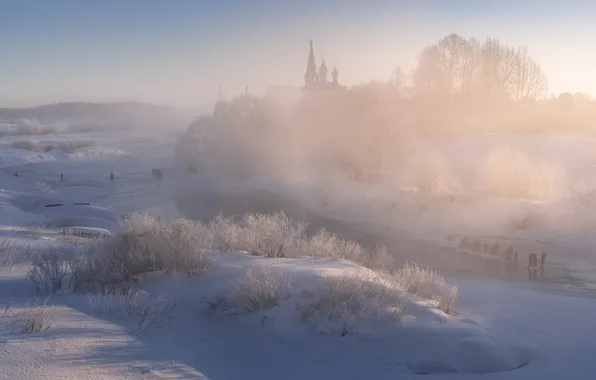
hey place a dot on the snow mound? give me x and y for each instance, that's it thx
(339, 302)
(59, 212)
(88, 232)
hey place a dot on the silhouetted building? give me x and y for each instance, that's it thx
(317, 80)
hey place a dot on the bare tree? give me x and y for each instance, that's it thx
(497, 67)
(469, 66)
(529, 82)
(398, 79)
(451, 52)
(429, 77)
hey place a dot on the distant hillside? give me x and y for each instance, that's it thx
(132, 114)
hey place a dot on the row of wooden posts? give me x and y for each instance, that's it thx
(511, 257)
(155, 173)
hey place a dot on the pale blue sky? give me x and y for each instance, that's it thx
(179, 51)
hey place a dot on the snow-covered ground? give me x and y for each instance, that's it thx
(502, 330)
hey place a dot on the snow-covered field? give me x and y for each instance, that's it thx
(500, 330)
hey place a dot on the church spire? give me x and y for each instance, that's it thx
(311, 67)
(220, 94)
(323, 72)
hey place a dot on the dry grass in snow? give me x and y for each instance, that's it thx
(13, 253)
(33, 318)
(138, 305)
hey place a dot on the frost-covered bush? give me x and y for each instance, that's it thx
(507, 172)
(70, 146)
(346, 301)
(272, 235)
(259, 289)
(146, 244)
(427, 284)
(29, 145)
(138, 305)
(432, 175)
(32, 127)
(49, 270)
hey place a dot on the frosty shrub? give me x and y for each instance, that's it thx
(145, 245)
(259, 289)
(346, 301)
(585, 192)
(13, 253)
(326, 244)
(32, 127)
(70, 146)
(30, 145)
(227, 234)
(272, 235)
(138, 305)
(432, 175)
(507, 172)
(427, 284)
(322, 244)
(49, 270)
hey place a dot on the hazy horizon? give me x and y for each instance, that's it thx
(180, 52)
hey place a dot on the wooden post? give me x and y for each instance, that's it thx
(542, 261)
(61, 177)
(532, 265)
(508, 260)
(111, 176)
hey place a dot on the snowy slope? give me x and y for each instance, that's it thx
(500, 326)
(542, 330)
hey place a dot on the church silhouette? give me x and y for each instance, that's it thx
(317, 80)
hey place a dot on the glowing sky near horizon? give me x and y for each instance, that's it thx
(179, 51)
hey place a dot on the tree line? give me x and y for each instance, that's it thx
(457, 67)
